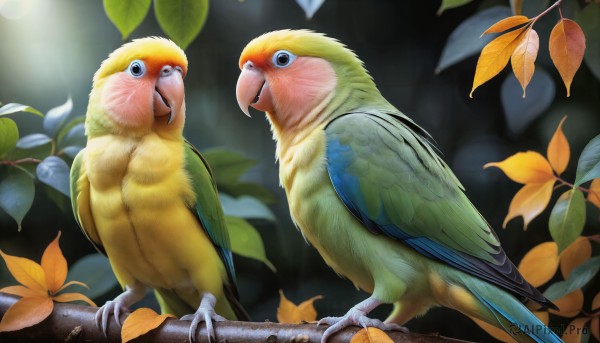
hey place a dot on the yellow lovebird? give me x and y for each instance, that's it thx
(145, 197)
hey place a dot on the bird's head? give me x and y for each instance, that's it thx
(293, 75)
(138, 88)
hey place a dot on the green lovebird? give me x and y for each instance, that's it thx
(145, 197)
(367, 189)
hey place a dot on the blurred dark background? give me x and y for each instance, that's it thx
(53, 50)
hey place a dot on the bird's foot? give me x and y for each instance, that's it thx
(205, 313)
(355, 317)
(113, 307)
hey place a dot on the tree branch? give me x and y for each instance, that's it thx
(75, 323)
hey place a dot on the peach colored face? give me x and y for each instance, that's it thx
(284, 85)
(144, 92)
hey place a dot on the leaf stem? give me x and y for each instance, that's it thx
(557, 3)
(23, 160)
(566, 183)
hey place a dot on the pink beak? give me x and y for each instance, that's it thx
(252, 89)
(169, 93)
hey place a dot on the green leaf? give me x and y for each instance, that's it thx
(245, 207)
(64, 130)
(246, 241)
(16, 195)
(465, 40)
(75, 136)
(310, 7)
(14, 107)
(72, 150)
(127, 15)
(181, 20)
(94, 270)
(33, 140)
(227, 166)
(578, 278)
(448, 4)
(587, 18)
(567, 218)
(9, 135)
(54, 172)
(588, 167)
(57, 116)
(247, 188)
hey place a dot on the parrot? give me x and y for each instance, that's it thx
(145, 197)
(367, 188)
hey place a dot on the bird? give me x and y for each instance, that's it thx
(367, 188)
(145, 197)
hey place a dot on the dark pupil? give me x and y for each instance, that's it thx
(136, 69)
(282, 59)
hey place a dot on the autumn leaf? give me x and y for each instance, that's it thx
(26, 312)
(594, 194)
(558, 150)
(507, 24)
(595, 324)
(288, 312)
(140, 322)
(525, 167)
(570, 305)
(539, 265)
(574, 255)
(54, 265)
(26, 272)
(567, 47)
(574, 331)
(523, 58)
(371, 335)
(529, 202)
(495, 56)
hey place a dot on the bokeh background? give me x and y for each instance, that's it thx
(50, 49)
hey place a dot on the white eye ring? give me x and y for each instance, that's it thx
(283, 58)
(136, 68)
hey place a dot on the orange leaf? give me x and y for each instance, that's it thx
(570, 305)
(594, 195)
(140, 322)
(523, 58)
(529, 202)
(27, 272)
(54, 265)
(574, 255)
(493, 331)
(22, 291)
(543, 316)
(595, 324)
(539, 265)
(567, 46)
(495, 56)
(68, 297)
(574, 330)
(73, 283)
(26, 312)
(371, 335)
(507, 23)
(558, 150)
(288, 312)
(525, 167)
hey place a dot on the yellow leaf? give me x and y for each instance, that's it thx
(73, 283)
(54, 265)
(68, 297)
(539, 265)
(567, 46)
(595, 324)
(288, 312)
(558, 150)
(26, 312)
(574, 255)
(517, 6)
(574, 330)
(495, 56)
(594, 195)
(493, 331)
(371, 335)
(525, 167)
(507, 23)
(543, 316)
(529, 202)
(140, 322)
(27, 272)
(523, 58)
(570, 305)
(22, 291)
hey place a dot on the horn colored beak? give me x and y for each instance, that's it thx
(252, 89)
(169, 93)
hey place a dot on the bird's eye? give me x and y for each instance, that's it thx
(136, 68)
(282, 58)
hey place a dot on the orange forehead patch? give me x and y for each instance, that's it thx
(154, 51)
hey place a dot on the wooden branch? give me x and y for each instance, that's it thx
(75, 323)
